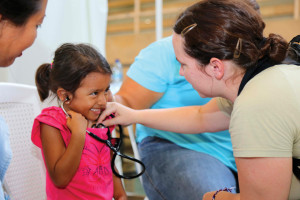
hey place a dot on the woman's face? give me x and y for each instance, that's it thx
(191, 70)
(15, 39)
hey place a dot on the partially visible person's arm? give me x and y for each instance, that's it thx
(260, 178)
(119, 191)
(135, 96)
(190, 119)
(264, 178)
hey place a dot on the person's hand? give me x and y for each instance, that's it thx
(76, 123)
(123, 115)
(121, 198)
(208, 195)
(222, 195)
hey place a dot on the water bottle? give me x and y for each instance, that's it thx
(117, 70)
(117, 76)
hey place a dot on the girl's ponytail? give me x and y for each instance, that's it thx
(42, 80)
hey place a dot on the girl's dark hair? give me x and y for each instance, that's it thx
(71, 64)
(220, 25)
(19, 11)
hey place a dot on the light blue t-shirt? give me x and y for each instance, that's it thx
(157, 69)
(5, 154)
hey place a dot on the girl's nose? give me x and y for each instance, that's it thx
(102, 100)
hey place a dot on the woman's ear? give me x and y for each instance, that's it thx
(216, 68)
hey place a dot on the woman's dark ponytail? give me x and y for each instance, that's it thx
(275, 47)
(42, 80)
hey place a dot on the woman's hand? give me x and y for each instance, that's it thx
(123, 115)
(222, 195)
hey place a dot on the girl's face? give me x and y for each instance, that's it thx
(15, 39)
(91, 96)
(191, 70)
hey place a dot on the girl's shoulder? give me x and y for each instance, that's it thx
(52, 115)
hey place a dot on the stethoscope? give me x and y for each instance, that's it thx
(114, 144)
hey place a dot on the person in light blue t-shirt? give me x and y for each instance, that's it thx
(5, 154)
(19, 21)
(178, 166)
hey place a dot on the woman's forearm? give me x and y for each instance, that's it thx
(190, 119)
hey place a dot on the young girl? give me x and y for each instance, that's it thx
(78, 166)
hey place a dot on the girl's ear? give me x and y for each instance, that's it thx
(216, 68)
(63, 95)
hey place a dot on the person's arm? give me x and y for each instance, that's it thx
(135, 96)
(190, 119)
(119, 192)
(62, 163)
(264, 178)
(260, 178)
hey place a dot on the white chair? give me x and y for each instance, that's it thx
(135, 151)
(25, 177)
(134, 148)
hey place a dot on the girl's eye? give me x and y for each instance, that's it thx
(94, 93)
(38, 26)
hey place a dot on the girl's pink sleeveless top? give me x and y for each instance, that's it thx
(93, 179)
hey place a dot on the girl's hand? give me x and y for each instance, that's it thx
(123, 115)
(121, 198)
(76, 123)
(119, 192)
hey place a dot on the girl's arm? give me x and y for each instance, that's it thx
(61, 162)
(189, 119)
(119, 192)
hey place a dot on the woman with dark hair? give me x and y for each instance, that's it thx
(223, 54)
(19, 21)
(154, 76)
